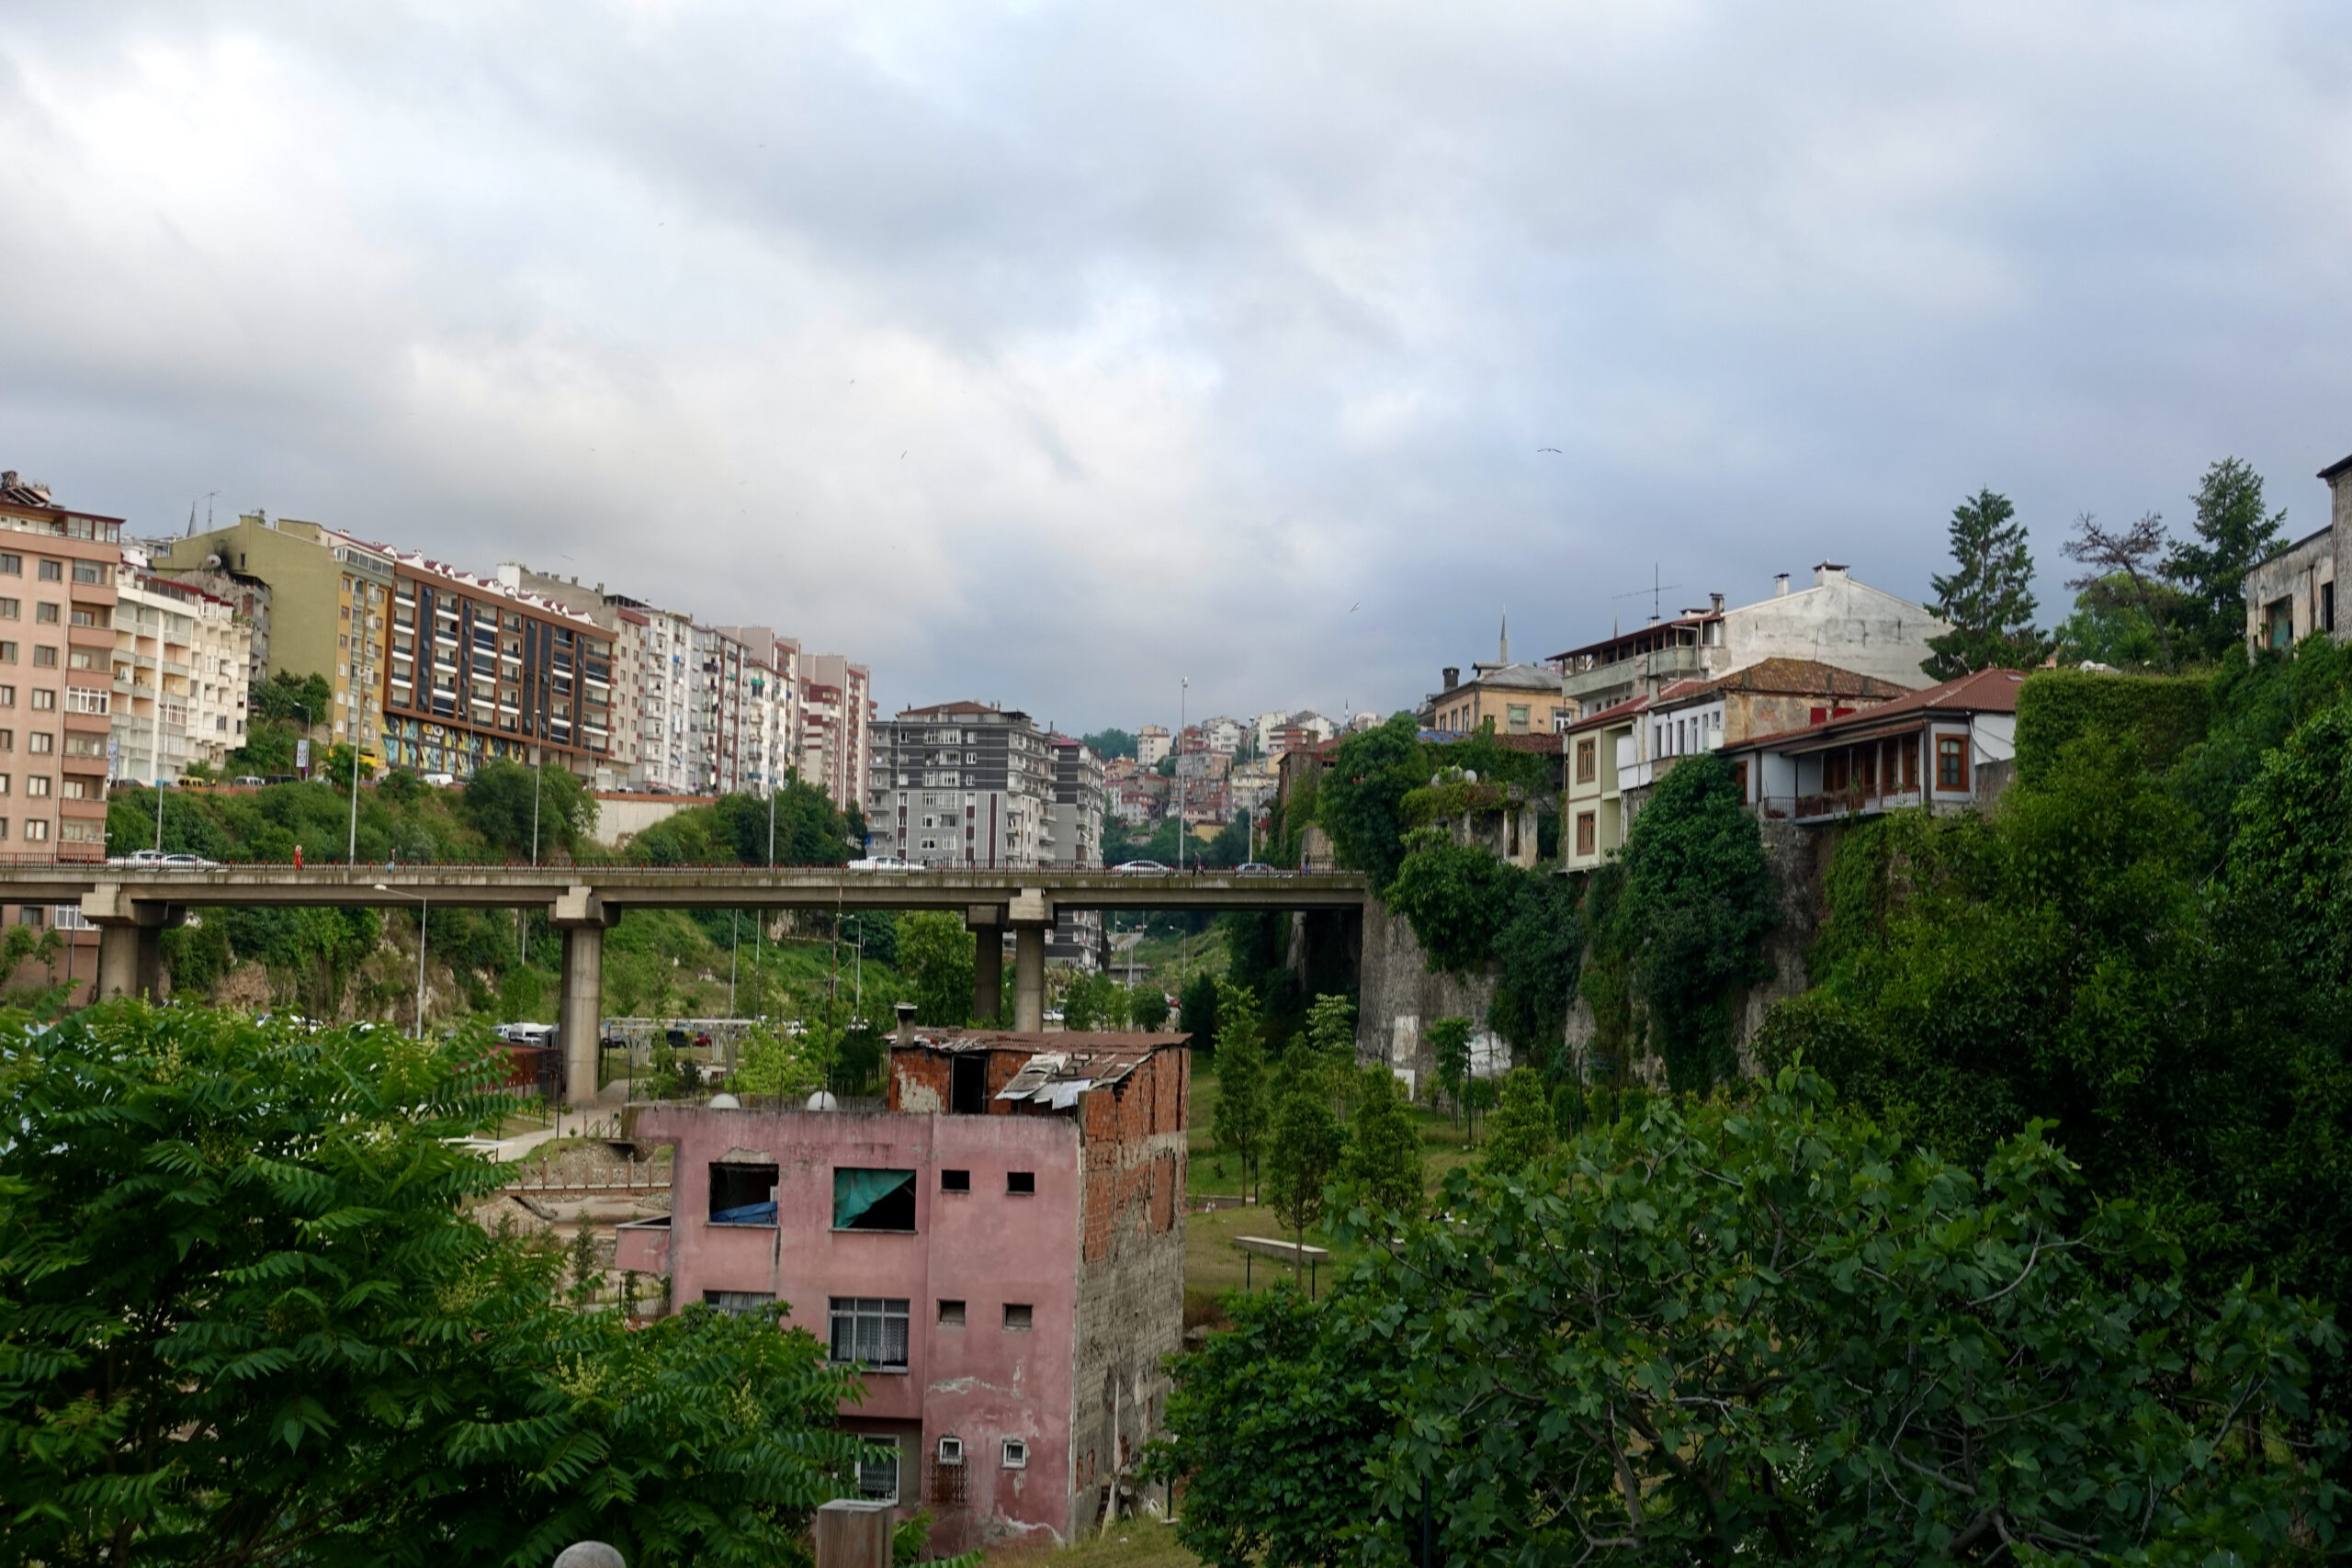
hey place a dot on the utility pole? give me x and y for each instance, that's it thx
(351, 852)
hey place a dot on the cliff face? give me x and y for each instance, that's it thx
(1399, 996)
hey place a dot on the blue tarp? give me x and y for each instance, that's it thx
(746, 1214)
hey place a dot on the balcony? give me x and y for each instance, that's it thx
(1664, 665)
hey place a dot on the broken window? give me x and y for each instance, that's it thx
(742, 1194)
(968, 1085)
(1021, 1182)
(873, 1199)
(951, 1315)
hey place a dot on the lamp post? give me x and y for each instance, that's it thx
(424, 909)
(351, 850)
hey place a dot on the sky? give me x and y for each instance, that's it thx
(1054, 353)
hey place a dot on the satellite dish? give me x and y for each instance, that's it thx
(821, 1101)
(724, 1102)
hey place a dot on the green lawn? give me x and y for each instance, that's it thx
(1130, 1543)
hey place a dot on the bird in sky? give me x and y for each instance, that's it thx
(1547, 448)
(1354, 607)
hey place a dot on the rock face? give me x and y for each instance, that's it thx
(1400, 995)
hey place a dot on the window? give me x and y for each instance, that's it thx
(82, 789)
(43, 699)
(1587, 761)
(44, 658)
(12, 565)
(85, 657)
(2327, 606)
(737, 1301)
(968, 1085)
(40, 741)
(12, 609)
(1951, 762)
(1017, 1318)
(1517, 717)
(873, 1199)
(3, 784)
(45, 613)
(951, 1315)
(36, 832)
(92, 616)
(7, 653)
(2279, 624)
(871, 1329)
(951, 1450)
(1016, 1454)
(52, 571)
(742, 1194)
(955, 1182)
(1021, 1183)
(36, 784)
(89, 571)
(1588, 833)
(878, 1470)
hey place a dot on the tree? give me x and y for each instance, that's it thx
(1521, 1133)
(1988, 597)
(244, 1318)
(289, 698)
(2130, 554)
(1698, 898)
(1147, 1008)
(1244, 1105)
(1457, 897)
(1384, 1148)
(2232, 532)
(1330, 1033)
(1449, 1051)
(1109, 744)
(1094, 1001)
(1361, 797)
(526, 812)
(335, 768)
(1196, 1010)
(1302, 1155)
(936, 956)
(1672, 1343)
(2110, 626)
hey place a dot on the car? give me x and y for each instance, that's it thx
(1255, 868)
(439, 781)
(185, 862)
(247, 781)
(1143, 868)
(138, 857)
(882, 863)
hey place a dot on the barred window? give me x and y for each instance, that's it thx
(871, 1329)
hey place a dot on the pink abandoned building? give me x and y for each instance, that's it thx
(1002, 1248)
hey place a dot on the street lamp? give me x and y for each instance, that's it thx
(424, 909)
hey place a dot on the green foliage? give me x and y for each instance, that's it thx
(244, 1318)
(1698, 898)
(1760, 1332)
(1163, 843)
(1988, 596)
(1244, 1095)
(1361, 798)
(1536, 956)
(2117, 622)
(335, 770)
(1450, 1049)
(1384, 1154)
(1147, 1008)
(1521, 1133)
(1197, 1011)
(1109, 744)
(2232, 532)
(773, 1062)
(2163, 715)
(1094, 1001)
(1302, 1155)
(1457, 897)
(526, 812)
(936, 955)
(289, 698)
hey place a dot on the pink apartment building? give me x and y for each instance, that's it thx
(1002, 1248)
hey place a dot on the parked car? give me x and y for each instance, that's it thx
(1255, 868)
(138, 857)
(185, 862)
(440, 781)
(1141, 866)
(883, 862)
(249, 781)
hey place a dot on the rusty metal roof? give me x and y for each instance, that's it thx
(1060, 1065)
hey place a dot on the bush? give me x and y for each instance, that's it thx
(2162, 715)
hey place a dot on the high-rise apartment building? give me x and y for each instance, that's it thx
(1073, 836)
(960, 785)
(57, 600)
(836, 726)
(480, 670)
(767, 742)
(327, 594)
(180, 678)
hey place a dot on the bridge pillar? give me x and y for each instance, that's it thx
(1031, 914)
(130, 941)
(986, 922)
(582, 917)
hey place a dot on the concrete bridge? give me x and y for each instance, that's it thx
(133, 905)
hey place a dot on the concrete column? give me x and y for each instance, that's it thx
(580, 915)
(986, 922)
(130, 961)
(1028, 977)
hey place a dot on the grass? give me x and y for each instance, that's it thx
(1130, 1543)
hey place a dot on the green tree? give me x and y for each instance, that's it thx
(2113, 625)
(770, 1062)
(335, 768)
(1521, 1133)
(1330, 1033)
(289, 698)
(1698, 897)
(1094, 1001)
(1988, 595)
(1244, 1098)
(1302, 1155)
(1147, 1008)
(1196, 1010)
(1384, 1148)
(1361, 797)
(517, 809)
(1110, 743)
(1538, 954)
(586, 1274)
(1458, 898)
(1681, 1352)
(2232, 532)
(936, 955)
(1449, 1052)
(245, 1318)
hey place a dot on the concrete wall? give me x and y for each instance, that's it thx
(1839, 622)
(1399, 994)
(982, 1383)
(622, 814)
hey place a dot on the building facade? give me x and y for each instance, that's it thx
(1837, 621)
(1152, 743)
(961, 784)
(2291, 592)
(1951, 747)
(837, 725)
(480, 671)
(1000, 1253)
(58, 570)
(181, 673)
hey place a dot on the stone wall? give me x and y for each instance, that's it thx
(1400, 995)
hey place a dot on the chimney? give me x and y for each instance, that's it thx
(1781, 586)
(1826, 573)
(905, 1031)
(1453, 673)
(1716, 603)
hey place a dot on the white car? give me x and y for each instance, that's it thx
(139, 857)
(185, 862)
(882, 863)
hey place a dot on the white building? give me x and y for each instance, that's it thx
(189, 649)
(1152, 745)
(1837, 621)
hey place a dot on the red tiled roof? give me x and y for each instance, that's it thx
(1616, 710)
(1805, 678)
(1987, 691)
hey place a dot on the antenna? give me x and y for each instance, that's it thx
(1655, 590)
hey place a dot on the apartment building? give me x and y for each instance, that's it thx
(480, 670)
(1152, 743)
(58, 570)
(327, 594)
(768, 747)
(963, 784)
(1000, 1252)
(181, 673)
(836, 742)
(1073, 836)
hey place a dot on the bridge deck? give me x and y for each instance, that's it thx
(656, 887)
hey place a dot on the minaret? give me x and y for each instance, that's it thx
(1502, 653)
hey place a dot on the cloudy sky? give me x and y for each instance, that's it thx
(1049, 353)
